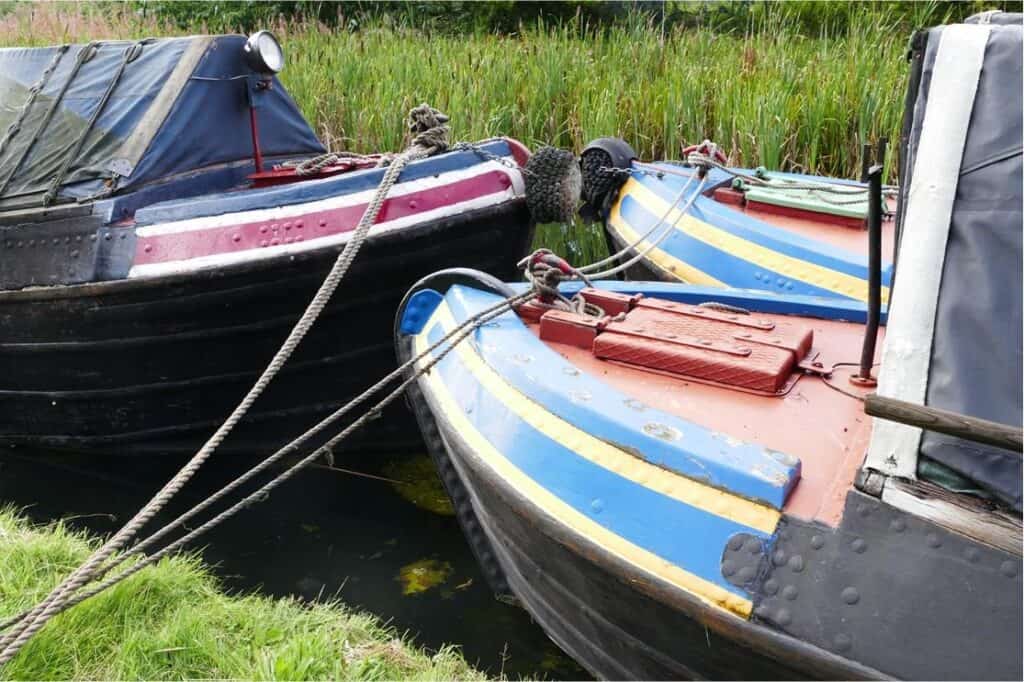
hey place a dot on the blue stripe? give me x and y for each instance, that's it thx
(544, 376)
(754, 300)
(683, 535)
(764, 234)
(296, 193)
(722, 265)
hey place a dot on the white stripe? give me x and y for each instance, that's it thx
(908, 338)
(330, 203)
(261, 253)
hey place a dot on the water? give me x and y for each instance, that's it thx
(323, 534)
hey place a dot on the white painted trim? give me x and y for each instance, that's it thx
(262, 253)
(330, 203)
(906, 357)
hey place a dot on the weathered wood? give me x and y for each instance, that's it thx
(962, 514)
(944, 421)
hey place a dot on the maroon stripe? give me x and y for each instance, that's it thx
(308, 226)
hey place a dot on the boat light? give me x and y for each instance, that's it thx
(263, 53)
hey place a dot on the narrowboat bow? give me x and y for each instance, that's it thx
(166, 214)
(731, 227)
(681, 481)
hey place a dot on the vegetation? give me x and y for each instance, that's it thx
(172, 621)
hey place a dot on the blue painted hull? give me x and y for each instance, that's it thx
(715, 245)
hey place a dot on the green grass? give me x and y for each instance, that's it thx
(172, 621)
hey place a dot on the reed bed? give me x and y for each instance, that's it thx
(772, 97)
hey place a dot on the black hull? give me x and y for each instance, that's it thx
(154, 366)
(610, 618)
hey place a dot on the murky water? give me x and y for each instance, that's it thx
(385, 548)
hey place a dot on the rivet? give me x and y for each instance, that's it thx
(298, 224)
(147, 248)
(1008, 569)
(796, 563)
(670, 336)
(287, 226)
(32, 242)
(263, 242)
(770, 587)
(850, 595)
(639, 330)
(107, 236)
(744, 336)
(705, 342)
(971, 554)
(858, 545)
(236, 238)
(746, 574)
(754, 546)
(74, 253)
(273, 227)
(56, 241)
(323, 223)
(783, 617)
(934, 541)
(842, 642)
(736, 542)
(728, 567)
(412, 204)
(263, 229)
(571, 371)
(790, 592)
(762, 611)
(275, 241)
(817, 542)
(779, 558)
(597, 505)
(898, 525)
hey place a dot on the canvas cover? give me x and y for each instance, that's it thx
(180, 104)
(976, 365)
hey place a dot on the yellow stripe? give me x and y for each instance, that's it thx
(682, 271)
(686, 490)
(723, 240)
(551, 505)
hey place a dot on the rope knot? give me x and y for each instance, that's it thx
(429, 129)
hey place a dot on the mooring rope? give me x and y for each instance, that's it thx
(430, 136)
(452, 338)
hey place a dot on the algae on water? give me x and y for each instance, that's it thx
(419, 484)
(423, 575)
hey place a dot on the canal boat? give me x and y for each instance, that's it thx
(166, 214)
(684, 481)
(788, 233)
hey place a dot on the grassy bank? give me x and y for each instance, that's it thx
(774, 97)
(171, 621)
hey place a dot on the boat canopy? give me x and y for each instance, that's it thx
(954, 334)
(77, 120)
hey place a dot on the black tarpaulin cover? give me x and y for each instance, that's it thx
(976, 365)
(180, 105)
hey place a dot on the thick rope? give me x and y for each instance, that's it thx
(452, 338)
(424, 143)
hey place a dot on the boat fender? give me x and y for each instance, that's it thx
(553, 185)
(600, 185)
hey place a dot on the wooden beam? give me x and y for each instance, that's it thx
(944, 421)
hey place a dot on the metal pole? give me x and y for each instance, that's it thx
(867, 355)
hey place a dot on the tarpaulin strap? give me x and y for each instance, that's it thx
(15, 127)
(84, 55)
(130, 55)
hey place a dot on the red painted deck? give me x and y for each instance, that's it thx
(826, 429)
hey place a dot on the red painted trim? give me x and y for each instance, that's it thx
(308, 226)
(520, 152)
(819, 216)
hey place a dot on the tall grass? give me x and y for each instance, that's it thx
(772, 97)
(171, 621)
